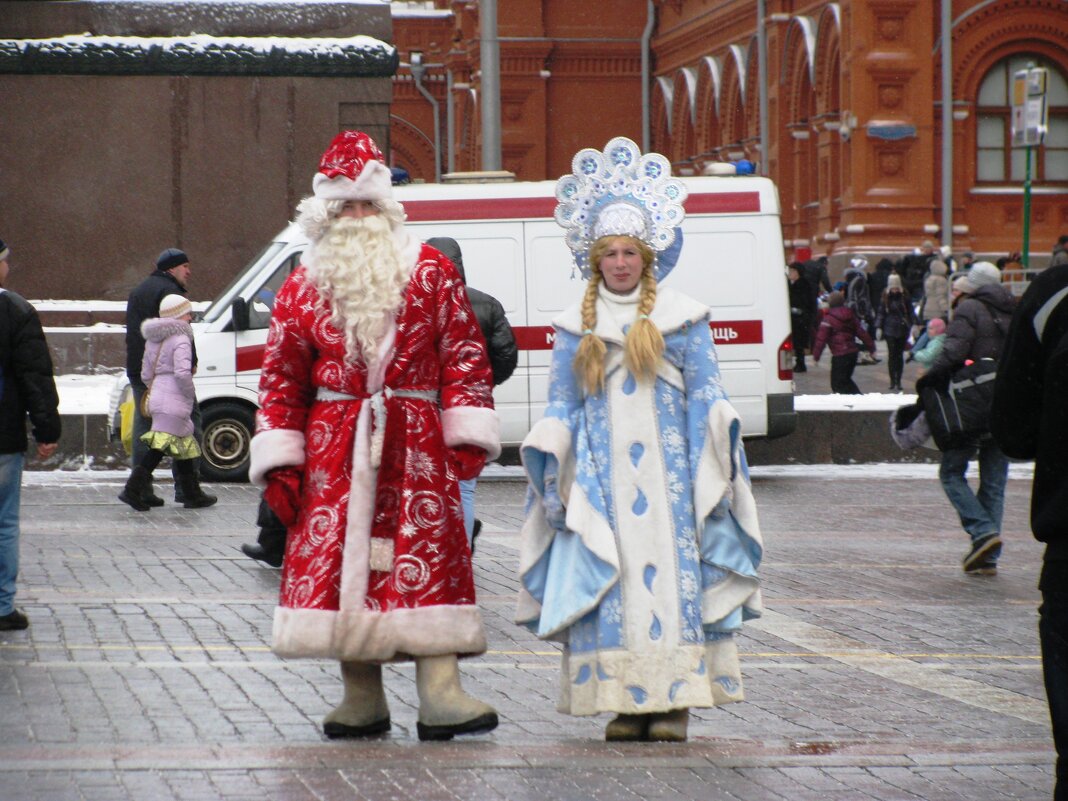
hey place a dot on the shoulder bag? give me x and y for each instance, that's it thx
(145, 412)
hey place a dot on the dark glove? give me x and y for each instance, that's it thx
(283, 493)
(555, 511)
(466, 461)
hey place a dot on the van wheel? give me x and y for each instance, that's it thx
(228, 429)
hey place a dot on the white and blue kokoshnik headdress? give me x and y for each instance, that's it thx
(620, 192)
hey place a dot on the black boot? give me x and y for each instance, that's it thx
(151, 498)
(136, 486)
(194, 497)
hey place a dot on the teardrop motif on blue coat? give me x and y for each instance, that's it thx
(636, 451)
(601, 674)
(640, 504)
(629, 384)
(638, 694)
(654, 629)
(675, 690)
(648, 575)
(584, 674)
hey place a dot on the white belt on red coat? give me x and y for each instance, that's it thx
(378, 410)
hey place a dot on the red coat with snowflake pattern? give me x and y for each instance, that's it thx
(377, 565)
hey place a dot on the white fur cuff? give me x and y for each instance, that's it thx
(472, 425)
(279, 447)
(367, 636)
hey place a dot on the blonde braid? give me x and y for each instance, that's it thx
(589, 359)
(644, 345)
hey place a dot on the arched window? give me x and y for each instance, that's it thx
(996, 160)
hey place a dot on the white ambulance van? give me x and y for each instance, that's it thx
(732, 259)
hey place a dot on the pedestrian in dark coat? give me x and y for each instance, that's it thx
(982, 312)
(1029, 420)
(802, 313)
(895, 318)
(839, 330)
(500, 347)
(27, 390)
(500, 341)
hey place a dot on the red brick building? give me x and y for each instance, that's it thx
(854, 105)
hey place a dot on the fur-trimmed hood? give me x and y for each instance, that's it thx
(157, 329)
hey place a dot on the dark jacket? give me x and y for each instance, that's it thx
(500, 341)
(142, 305)
(978, 328)
(896, 316)
(1029, 418)
(839, 330)
(27, 386)
(878, 279)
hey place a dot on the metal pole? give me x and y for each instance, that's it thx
(947, 122)
(490, 50)
(762, 78)
(1024, 257)
(418, 70)
(450, 122)
(650, 17)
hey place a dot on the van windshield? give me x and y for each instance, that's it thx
(226, 297)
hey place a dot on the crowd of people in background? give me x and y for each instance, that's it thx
(895, 300)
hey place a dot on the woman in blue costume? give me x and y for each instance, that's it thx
(641, 544)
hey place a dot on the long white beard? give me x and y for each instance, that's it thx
(357, 269)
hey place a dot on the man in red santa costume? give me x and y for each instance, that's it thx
(375, 399)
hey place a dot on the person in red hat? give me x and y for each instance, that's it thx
(375, 400)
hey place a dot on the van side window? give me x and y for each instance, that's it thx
(262, 302)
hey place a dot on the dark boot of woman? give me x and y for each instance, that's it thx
(138, 485)
(193, 496)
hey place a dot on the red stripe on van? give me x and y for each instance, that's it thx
(517, 208)
(723, 203)
(729, 332)
(250, 358)
(503, 208)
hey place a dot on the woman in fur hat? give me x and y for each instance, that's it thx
(641, 545)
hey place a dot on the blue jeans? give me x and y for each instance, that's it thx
(10, 486)
(980, 513)
(467, 497)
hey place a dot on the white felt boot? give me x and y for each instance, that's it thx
(669, 727)
(626, 727)
(445, 710)
(363, 711)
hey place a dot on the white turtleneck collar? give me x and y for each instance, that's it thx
(622, 307)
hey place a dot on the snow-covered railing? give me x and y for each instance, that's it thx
(86, 54)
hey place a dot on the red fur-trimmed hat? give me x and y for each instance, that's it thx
(353, 168)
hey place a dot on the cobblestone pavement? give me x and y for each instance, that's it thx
(880, 671)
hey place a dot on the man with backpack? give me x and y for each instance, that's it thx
(1029, 420)
(983, 311)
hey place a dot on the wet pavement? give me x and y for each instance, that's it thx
(880, 670)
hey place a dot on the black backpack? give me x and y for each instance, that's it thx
(957, 407)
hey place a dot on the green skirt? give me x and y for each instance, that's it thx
(175, 447)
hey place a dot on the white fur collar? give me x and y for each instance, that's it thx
(157, 329)
(672, 311)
